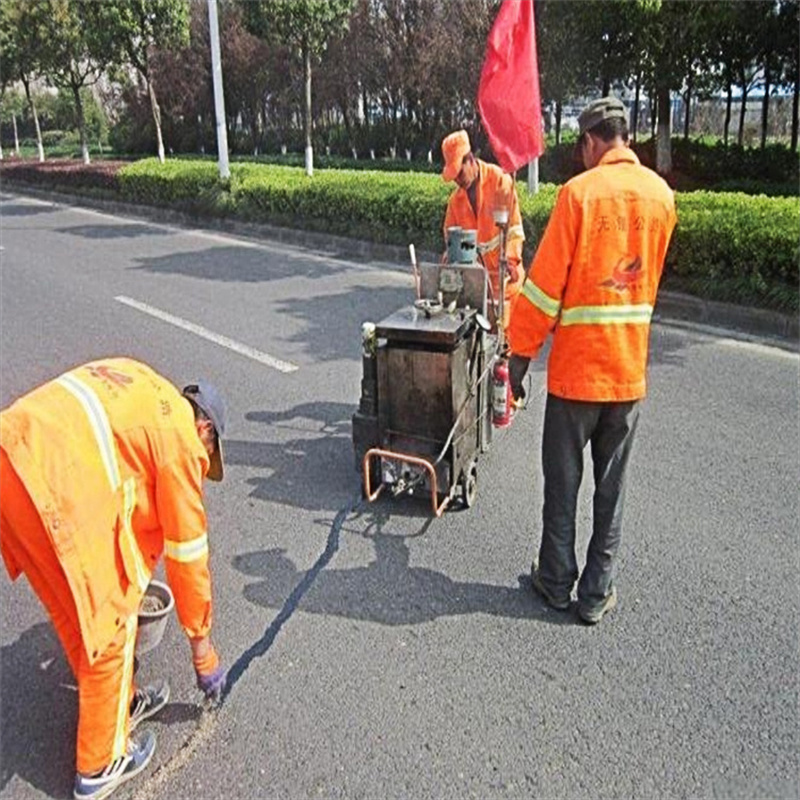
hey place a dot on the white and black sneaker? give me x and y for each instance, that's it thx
(139, 752)
(148, 700)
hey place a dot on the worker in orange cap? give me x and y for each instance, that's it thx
(483, 189)
(101, 472)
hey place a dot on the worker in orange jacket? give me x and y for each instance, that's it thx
(101, 472)
(483, 189)
(592, 284)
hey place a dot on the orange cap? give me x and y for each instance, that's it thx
(454, 148)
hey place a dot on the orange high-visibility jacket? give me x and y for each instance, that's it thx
(459, 213)
(110, 455)
(594, 278)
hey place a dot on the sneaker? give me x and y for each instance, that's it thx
(593, 616)
(139, 752)
(558, 603)
(148, 700)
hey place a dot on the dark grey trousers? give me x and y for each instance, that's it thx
(568, 426)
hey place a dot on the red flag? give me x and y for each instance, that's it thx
(508, 94)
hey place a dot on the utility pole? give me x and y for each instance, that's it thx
(219, 97)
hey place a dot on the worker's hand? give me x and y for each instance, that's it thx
(517, 367)
(211, 675)
(514, 272)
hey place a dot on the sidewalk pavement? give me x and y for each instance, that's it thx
(755, 324)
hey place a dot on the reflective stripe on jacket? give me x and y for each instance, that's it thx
(110, 456)
(594, 278)
(460, 213)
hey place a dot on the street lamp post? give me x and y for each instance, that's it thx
(219, 97)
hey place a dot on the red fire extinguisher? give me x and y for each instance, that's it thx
(501, 394)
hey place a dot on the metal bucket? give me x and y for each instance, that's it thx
(153, 622)
(468, 251)
(454, 245)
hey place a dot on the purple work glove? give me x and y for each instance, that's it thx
(211, 675)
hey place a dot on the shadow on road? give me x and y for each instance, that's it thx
(39, 712)
(389, 590)
(114, 231)
(243, 264)
(312, 468)
(20, 210)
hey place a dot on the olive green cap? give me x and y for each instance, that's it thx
(599, 110)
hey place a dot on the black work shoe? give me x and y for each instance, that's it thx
(148, 700)
(594, 615)
(137, 756)
(558, 603)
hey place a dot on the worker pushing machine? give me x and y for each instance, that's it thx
(101, 472)
(483, 191)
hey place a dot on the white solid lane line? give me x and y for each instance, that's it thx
(222, 341)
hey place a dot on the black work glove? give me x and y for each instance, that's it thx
(517, 367)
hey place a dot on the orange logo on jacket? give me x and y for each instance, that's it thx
(625, 275)
(105, 373)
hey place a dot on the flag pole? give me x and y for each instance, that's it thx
(533, 176)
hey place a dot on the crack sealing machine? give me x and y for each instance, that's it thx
(434, 383)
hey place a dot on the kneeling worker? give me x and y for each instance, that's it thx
(482, 189)
(101, 471)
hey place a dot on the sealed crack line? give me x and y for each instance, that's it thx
(258, 649)
(155, 783)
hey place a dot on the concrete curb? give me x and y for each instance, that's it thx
(776, 328)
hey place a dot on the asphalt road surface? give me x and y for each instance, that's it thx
(375, 652)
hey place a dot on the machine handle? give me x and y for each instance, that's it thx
(438, 510)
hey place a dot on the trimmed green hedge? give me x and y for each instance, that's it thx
(735, 247)
(727, 246)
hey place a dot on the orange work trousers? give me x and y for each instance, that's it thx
(105, 688)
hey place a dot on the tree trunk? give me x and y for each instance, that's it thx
(663, 143)
(16, 134)
(653, 116)
(765, 103)
(742, 111)
(309, 148)
(255, 133)
(156, 111)
(558, 121)
(76, 96)
(687, 111)
(348, 126)
(728, 107)
(795, 109)
(32, 105)
(635, 115)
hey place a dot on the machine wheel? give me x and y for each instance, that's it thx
(469, 486)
